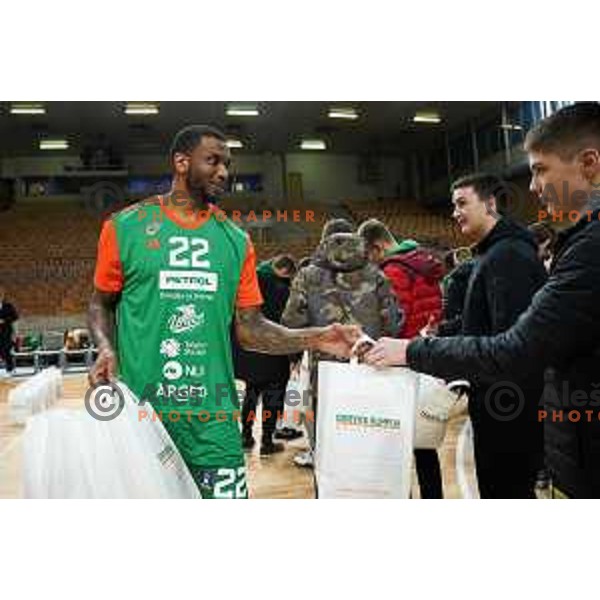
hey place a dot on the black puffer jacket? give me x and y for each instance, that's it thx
(506, 273)
(457, 284)
(559, 331)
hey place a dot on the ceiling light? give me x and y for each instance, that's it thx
(511, 127)
(234, 144)
(54, 145)
(343, 113)
(242, 111)
(27, 109)
(141, 108)
(427, 118)
(313, 145)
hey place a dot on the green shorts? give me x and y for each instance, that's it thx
(221, 484)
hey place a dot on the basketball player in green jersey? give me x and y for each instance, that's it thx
(172, 273)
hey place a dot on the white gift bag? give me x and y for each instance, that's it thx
(365, 431)
(69, 454)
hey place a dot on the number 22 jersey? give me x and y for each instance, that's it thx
(180, 283)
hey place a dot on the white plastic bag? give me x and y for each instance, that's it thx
(35, 395)
(69, 454)
(465, 463)
(365, 431)
(435, 402)
(297, 398)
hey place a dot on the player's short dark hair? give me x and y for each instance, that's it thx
(567, 131)
(336, 226)
(485, 185)
(542, 232)
(373, 231)
(189, 138)
(287, 262)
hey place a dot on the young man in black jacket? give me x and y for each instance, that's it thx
(560, 331)
(8, 317)
(505, 275)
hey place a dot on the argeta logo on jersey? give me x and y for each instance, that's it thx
(170, 348)
(172, 370)
(185, 319)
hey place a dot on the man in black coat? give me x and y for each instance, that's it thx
(455, 291)
(560, 331)
(8, 317)
(506, 273)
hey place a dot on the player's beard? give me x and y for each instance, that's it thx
(197, 191)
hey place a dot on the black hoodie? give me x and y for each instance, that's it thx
(506, 274)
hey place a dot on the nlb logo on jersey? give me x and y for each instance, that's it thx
(173, 370)
(185, 319)
(198, 281)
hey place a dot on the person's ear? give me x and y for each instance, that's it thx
(181, 164)
(589, 159)
(492, 206)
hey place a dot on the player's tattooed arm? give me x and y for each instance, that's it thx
(257, 333)
(101, 322)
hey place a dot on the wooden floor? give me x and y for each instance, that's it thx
(274, 477)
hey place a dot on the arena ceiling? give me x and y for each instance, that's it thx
(381, 127)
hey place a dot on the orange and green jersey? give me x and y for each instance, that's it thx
(179, 286)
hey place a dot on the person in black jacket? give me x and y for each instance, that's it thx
(266, 376)
(455, 287)
(560, 331)
(506, 273)
(8, 317)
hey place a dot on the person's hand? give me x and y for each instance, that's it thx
(104, 368)
(337, 340)
(430, 329)
(387, 352)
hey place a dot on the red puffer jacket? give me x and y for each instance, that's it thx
(416, 278)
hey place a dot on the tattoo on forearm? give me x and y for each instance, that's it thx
(258, 334)
(101, 317)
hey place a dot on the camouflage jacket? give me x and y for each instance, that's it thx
(342, 286)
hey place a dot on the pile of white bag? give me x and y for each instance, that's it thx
(35, 395)
(69, 454)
